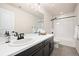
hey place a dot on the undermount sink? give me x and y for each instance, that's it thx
(22, 42)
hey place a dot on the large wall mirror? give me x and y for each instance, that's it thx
(13, 18)
(7, 19)
(39, 25)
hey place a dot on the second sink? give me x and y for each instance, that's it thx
(22, 42)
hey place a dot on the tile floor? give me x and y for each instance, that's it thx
(64, 51)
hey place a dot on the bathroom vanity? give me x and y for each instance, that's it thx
(42, 45)
(41, 49)
(31, 44)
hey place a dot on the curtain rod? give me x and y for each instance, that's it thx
(62, 18)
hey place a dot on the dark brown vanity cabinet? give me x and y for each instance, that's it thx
(46, 47)
(38, 53)
(46, 50)
(41, 49)
(51, 44)
(32, 51)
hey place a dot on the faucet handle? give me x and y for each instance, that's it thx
(15, 33)
(20, 36)
(7, 33)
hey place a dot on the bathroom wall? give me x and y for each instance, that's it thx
(76, 12)
(23, 20)
(64, 30)
(48, 27)
(47, 23)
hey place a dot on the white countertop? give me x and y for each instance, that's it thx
(7, 50)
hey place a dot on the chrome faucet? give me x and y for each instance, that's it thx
(15, 33)
(18, 35)
(7, 35)
(8, 39)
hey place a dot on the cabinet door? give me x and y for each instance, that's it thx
(51, 44)
(46, 50)
(39, 53)
(31, 51)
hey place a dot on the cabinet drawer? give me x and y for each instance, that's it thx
(41, 49)
(39, 53)
(45, 42)
(29, 51)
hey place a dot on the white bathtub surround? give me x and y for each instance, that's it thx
(64, 30)
(65, 41)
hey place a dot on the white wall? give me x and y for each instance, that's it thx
(76, 12)
(48, 24)
(48, 27)
(23, 20)
(64, 30)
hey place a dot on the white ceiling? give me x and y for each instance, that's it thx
(59, 8)
(51, 8)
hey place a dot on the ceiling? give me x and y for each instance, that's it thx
(51, 8)
(59, 8)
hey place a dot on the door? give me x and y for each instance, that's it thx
(51, 45)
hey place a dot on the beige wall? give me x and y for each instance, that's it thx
(23, 20)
